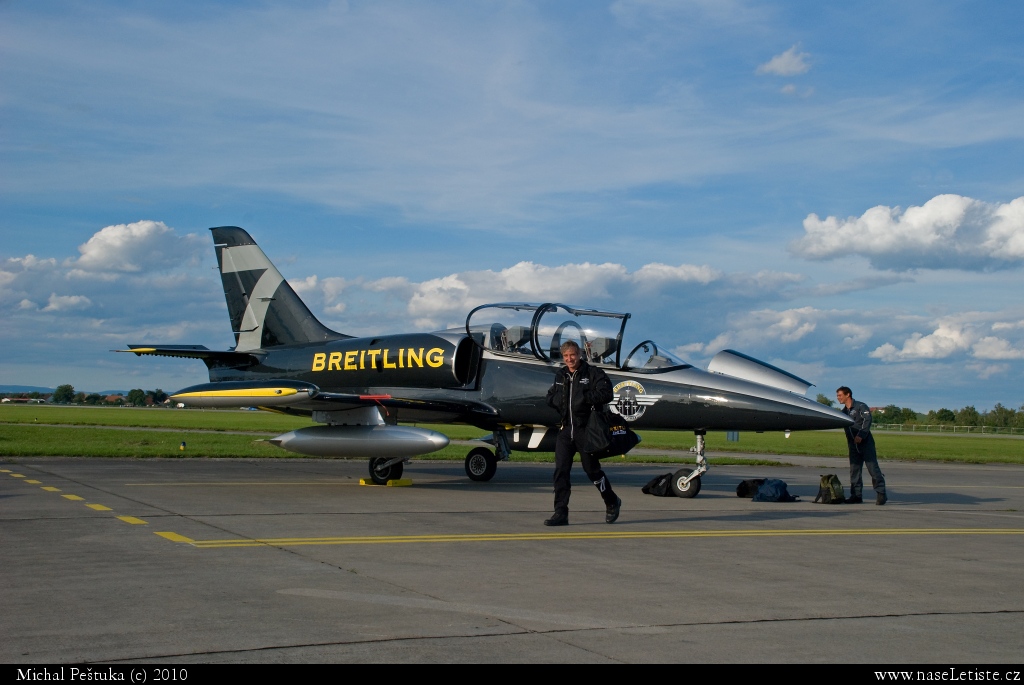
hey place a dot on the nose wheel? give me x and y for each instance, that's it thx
(685, 486)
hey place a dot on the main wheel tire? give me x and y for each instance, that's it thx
(481, 464)
(382, 476)
(682, 489)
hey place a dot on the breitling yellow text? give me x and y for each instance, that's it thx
(357, 360)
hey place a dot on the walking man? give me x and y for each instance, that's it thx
(577, 389)
(862, 448)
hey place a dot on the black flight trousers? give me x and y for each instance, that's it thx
(860, 456)
(565, 450)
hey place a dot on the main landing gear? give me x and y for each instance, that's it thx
(686, 482)
(383, 469)
(481, 463)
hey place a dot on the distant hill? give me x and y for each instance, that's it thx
(25, 388)
(47, 391)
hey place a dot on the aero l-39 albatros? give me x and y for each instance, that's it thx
(493, 374)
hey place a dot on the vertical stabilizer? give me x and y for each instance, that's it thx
(265, 311)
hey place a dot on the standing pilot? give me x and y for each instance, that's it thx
(578, 388)
(862, 448)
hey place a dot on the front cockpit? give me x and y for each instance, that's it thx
(538, 331)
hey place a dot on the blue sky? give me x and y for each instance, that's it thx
(838, 190)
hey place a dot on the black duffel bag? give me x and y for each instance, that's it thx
(607, 435)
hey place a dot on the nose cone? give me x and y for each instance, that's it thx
(811, 415)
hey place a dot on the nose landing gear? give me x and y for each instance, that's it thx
(686, 482)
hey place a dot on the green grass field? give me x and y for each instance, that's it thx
(89, 431)
(197, 419)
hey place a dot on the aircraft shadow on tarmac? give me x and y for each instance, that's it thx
(626, 479)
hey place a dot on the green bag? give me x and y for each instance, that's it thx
(831, 490)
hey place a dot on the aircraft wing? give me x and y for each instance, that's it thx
(291, 393)
(220, 357)
(428, 404)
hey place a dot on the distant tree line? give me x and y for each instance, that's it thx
(65, 394)
(997, 417)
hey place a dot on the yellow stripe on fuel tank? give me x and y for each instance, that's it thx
(251, 392)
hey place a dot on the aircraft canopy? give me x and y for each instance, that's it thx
(538, 330)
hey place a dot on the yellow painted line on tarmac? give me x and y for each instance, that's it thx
(99, 507)
(313, 482)
(582, 535)
(76, 498)
(50, 488)
(5, 470)
(132, 520)
(17, 475)
(34, 482)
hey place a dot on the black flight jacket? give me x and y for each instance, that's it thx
(575, 395)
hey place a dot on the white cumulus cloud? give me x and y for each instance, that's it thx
(991, 347)
(333, 287)
(139, 246)
(583, 284)
(947, 232)
(853, 334)
(63, 303)
(685, 273)
(304, 285)
(969, 333)
(29, 262)
(789, 63)
(756, 328)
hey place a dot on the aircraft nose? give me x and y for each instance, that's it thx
(836, 418)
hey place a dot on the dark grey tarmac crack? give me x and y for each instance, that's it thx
(563, 631)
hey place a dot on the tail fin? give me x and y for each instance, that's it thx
(265, 311)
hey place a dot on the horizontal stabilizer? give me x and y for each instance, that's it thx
(211, 357)
(739, 365)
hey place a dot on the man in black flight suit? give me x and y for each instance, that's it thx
(578, 388)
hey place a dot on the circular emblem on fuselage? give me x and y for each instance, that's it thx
(631, 400)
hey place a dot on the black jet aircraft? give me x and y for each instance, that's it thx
(493, 374)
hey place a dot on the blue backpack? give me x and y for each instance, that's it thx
(773, 490)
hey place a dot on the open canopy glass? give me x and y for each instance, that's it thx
(538, 330)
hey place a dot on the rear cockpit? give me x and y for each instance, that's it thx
(539, 330)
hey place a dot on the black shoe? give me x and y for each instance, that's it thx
(881, 499)
(557, 520)
(613, 511)
(854, 500)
